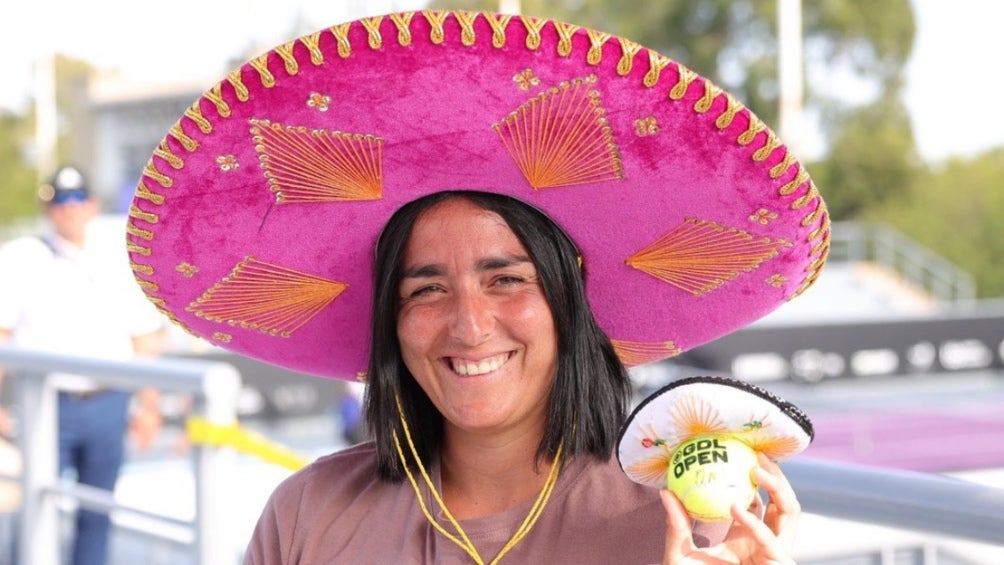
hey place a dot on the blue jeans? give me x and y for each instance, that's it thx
(91, 441)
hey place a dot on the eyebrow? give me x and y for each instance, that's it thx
(486, 264)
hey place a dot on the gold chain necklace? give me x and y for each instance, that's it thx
(463, 541)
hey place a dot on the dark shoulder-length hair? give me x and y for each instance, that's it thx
(591, 388)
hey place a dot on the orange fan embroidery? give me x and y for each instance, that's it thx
(561, 137)
(260, 296)
(699, 256)
(318, 165)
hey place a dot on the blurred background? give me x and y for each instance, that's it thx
(896, 353)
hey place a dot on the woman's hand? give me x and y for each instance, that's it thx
(750, 540)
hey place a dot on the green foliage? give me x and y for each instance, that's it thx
(17, 180)
(958, 212)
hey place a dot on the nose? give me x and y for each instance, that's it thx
(473, 317)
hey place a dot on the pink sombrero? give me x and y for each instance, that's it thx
(255, 220)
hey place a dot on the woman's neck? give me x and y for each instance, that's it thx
(483, 476)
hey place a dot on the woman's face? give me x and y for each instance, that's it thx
(474, 326)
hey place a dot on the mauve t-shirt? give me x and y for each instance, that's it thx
(335, 510)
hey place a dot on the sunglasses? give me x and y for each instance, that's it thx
(68, 196)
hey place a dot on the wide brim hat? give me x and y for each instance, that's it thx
(255, 221)
(692, 407)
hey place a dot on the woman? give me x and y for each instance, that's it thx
(470, 374)
(493, 347)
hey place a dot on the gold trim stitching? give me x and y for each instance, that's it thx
(240, 89)
(656, 64)
(782, 165)
(143, 192)
(313, 44)
(148, 217)
(533, 26)
(628, 50)
(194, 112)
(711, 91)
(732, 108)
(683, 80)
(285, 52)
(596, 41)
(769, 145)
(265, 76)
(139, 249)
(466, 20)
(372, 26)
(134, 230)
(498, 23)
(164, 153)
(436, 18)
(565, 33)
(341, 34)
(151, 171)
(403, 22)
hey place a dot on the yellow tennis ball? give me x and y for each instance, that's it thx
(710, 473)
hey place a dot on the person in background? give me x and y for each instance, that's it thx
(69, 291)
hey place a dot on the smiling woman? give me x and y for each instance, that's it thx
(618, 209)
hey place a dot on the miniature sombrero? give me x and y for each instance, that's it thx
(707, 406)
(255, 220)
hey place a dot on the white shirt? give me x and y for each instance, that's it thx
(57, 297)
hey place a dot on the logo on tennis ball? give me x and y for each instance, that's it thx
(710, 473)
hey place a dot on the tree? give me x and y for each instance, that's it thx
(17, 178)
(958, 212)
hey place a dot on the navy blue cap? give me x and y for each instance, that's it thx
(67, 185)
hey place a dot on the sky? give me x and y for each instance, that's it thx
(954, 75)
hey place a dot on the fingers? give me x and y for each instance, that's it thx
(679, 535)
(783, 509)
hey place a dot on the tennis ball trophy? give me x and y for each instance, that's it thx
(699, 437)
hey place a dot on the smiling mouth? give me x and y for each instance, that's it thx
(475, 368)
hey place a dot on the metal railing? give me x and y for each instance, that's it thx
(918, 265)
(901, 499)
(213, 388)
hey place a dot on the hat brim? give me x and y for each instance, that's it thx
(708, 405)
(255, 220)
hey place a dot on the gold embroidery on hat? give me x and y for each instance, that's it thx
(240, 89)
(173, 160)
(319, 101)
(776, 280)
(770, 144)
(372, 26)
(752, 130)
(561, 137)
(285, 52)
(779, 169)
(194, 113)
(533, 26)
(699, 256)
(136, 231)
(732, 108)
(633, 353)
(341, 35)
(525, 79)
(656, 63)
(498, 23)
(142, 269)
(138, 249)
(565, 33)
(319, 165)
(596, 41)
(800, 177)
(151, 171)
(466, 20)
(628, 50)
(144, 193)
(402, 20)
(227, 163)
(436, 19)
(186, 269)
(222, 337)
(265, 76)
(763, 216)
(313, 44)
(261, 296)
(646, 126)
(179, 135)
(149, 287)
(684, 78)
(135, 212)
(710, 93)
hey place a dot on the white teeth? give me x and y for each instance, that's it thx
(471, 368)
